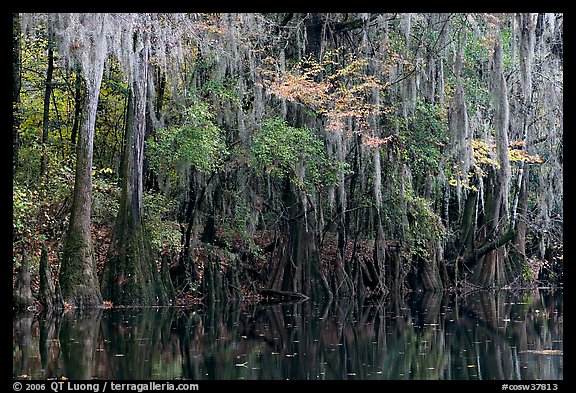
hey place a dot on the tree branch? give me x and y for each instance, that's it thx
(342, 27)
(490, 245)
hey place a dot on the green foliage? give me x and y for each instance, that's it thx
(425, 228)
(196, 140)
(105, 197)
(424, 138)
(30, 111)
(110, 122)
(223, 90)
(24, 211)
(161, 224)
(242, 214)
(526, 274)
(39, 211)
(338, 89)
(475, 62)
(282, 150)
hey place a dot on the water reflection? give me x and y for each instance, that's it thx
(485, 335)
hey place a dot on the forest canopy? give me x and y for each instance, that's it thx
(166, 158)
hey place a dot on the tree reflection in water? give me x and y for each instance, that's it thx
(484, 335)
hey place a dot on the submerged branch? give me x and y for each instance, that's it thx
(281, 296)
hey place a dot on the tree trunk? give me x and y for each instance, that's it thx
(153, 115)
(487, 261)
(77, 107)
(186, 266)
(467, 228)
(429, 272)
(521, 214)
(131, 275)
(50, 296)
(78, 279)
(379, 256)
(314, 26)
(490, 269)
(22, 294)
(282, 279)
(296, 251)
(527, 24)
(46, 112)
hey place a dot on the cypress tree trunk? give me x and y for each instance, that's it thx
(298, 261)
(153, 121)
(488, 262)
(46, 111)
(186, 266)
(467, 228)
(296, 253)
(50, 296)
(521, 215)
(429, 271)
(526, 52)
(78, 280)
(22, 293)
(282, 279)
(490, 269)
(341, 279)
(131, 274)
(379, 255)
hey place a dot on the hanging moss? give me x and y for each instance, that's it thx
(403, 134)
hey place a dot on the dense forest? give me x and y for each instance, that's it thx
(182, 158)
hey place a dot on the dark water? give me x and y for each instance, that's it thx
(485, 335)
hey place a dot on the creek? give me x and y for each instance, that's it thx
(488, 335)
